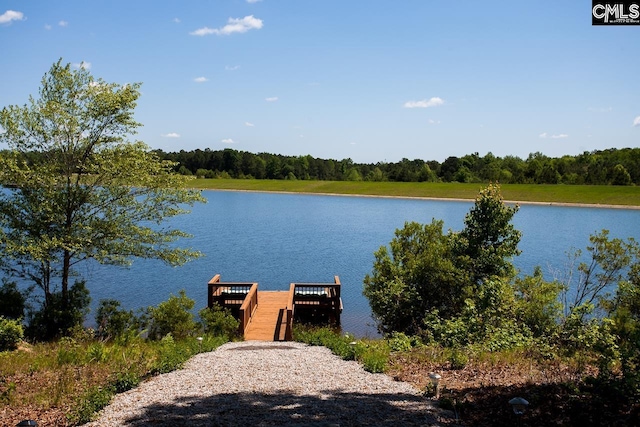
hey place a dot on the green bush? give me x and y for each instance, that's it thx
(11, 334)
(458, 359)
(219, 321)
(398, 341)
(55, 318)
(96, 353)
(373, 355)
(69, 352)
(172, 317)
(113, 322)
(171, 355)
(375, 360)
(125, 381)
(12, 301)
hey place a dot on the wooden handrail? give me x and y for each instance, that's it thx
(248, 307)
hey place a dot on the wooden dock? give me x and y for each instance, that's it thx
(264, 322)
(269, 315)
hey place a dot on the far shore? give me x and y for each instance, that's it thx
(440, 199)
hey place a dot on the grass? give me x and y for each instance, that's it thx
(576, 194)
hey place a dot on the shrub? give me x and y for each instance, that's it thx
(96, 352)
(398, 341)
(375, 359)
(219, 321)
(11, 334)
(172, 317)
(56, 318)
(458, 359)
(125, 381)
(171, 356)
(12, 301)
(69, 352)
(373, 355)
(112, 321)
(93, 401)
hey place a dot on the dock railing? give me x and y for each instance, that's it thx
(317, 296)
(240, 297)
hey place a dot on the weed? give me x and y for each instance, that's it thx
(125, 381)
(458, 359)
(6, 391)
(90, 403)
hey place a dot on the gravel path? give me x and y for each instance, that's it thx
(269, 383)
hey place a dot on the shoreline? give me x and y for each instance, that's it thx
(438, 199)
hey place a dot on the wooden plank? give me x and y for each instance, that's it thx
(263, 322)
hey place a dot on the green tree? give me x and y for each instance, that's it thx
(489, 240)
(537, 303)
(428, 271)
(77, 189)
(620, 176)
(625, 312)
(418, 275)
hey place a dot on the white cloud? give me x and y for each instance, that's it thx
(253, 1)
(234, 25)
(555, 136)
(231, 68)
(425, 103)
(176, 20)
(200, 79)
(636, 121)
(249, 124)
(47, 27)
(11, 15)
(84, 65)
(434, 122)
(271, 99)
(63, 23)
(171, 135)
(227, 141)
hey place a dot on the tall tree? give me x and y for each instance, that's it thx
(489, 240)
(76, 188)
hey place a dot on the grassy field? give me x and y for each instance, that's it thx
(579, 194)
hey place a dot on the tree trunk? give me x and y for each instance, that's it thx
(66, 266)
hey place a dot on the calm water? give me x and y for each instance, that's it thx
(276, 239)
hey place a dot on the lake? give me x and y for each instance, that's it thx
(275, 239)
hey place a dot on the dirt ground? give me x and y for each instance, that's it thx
(479, 394)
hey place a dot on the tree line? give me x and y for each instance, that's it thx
(600, 167)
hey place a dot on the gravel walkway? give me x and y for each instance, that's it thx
(269, 383)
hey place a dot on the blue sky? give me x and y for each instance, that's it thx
(370, 80)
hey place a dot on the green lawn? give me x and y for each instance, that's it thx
(588, 194)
